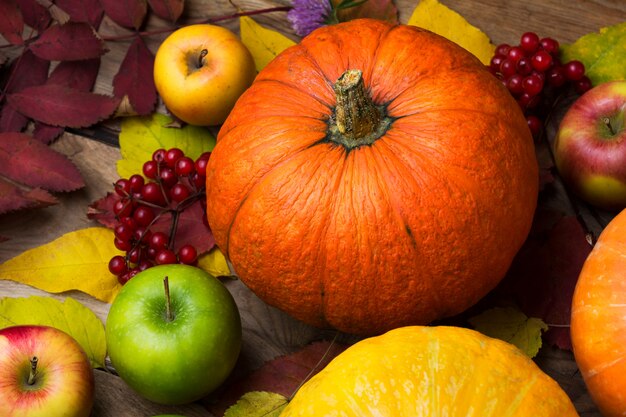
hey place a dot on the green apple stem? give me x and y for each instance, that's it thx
(33, 370)
(168, 301)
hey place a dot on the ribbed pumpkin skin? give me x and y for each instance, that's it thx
(417, 226)
(427, 372)
(598, 325)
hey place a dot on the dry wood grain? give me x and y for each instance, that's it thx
(268, 332)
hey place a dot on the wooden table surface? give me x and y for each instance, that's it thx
(269, 333)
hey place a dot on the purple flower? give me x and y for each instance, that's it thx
(308, 15)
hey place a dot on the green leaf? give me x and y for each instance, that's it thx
(513, 326)
(264, 44)
(603, 53)
(258, 404)
(141, 136)
(69, 316)
(75, 261)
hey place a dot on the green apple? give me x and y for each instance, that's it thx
(590, 146)
(173, 333)
(43, 372)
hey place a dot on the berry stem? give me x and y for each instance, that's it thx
(33, 370)
(168, 300)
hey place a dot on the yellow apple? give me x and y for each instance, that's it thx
(200, 71)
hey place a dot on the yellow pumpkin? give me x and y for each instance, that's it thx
(424, 371)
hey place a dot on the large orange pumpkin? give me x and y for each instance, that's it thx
(428, 372)
(598, 325)
(394, 195)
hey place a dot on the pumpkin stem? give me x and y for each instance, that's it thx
(356, 114)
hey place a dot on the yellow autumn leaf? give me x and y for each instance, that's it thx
(214, 263)
(258, 404)
(434, 16)
(75, 261)
(264, 44)
(69, 316)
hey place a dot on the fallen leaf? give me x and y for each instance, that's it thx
(512, 326)
(436, 17)
(127, 13)
(141, 136)
(264, 44)
(88, 11)
(35, 15)
(602, 53)
(134, 78)
(282, 375)
(75, 261)
(258, 404)
(69, 316)
(58, 105)
(47, 168)
(69, 42)
(214, 262)
(11, 22)
(167, 9)
(27, 70)
(13, 198)
(374, 9)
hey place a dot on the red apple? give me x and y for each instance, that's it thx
(43, 373)
(590, 146)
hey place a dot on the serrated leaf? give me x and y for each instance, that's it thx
(264, 44)
(75, 261)
(89, 11)
(35, 15)
(214, 262)
(134, 78)
(69, 316)
(13, 198)
(30, 162)
(141, 136)
(167, 9)
(434, 16)
(11, 22)
(513, 326)
(603, 53)
(258, 404)
(69, 42)
(127, 13)
(58, 105)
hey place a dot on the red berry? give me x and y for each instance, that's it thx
(123, 245)
(179, 192)
(187, 255)
(201, 163)
(152, 193)
(529, 42)
(144, 264)
(123, 208)
(158, 156)
(168, 177)
(122, 187)
(158, 240)
(185, 166)
(550, 45)
(151, 169)
(507, 69)
(134, 255)
(535, 125)
(524, 66)
(515, 53)
(583, 85)
(165, 256)
(514, 84)
(143, 215)
(117, 265)
(124, 278)
(173, 155)
(123, 232)
(574, 70)
(541, 61)
(136, 183)
(532, 85)
(142, 235)
(502, 50)
(556, 76)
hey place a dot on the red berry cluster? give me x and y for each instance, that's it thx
(170, 182)
(534, 75)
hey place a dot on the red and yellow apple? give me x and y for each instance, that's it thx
(590, 146)
(43, 372)
(200, 71)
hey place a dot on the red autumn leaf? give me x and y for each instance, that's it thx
(27, 161)
(35, 15)
(88, 11)
(375, 9)
(167, 9)
(135, 80)
(69, 42)
(11, 22)
(79, 75)
(58, 105)
(543, 275)
(126, 13)
(13, 198)
(27, 70)
(282, 375)
(190, 230)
